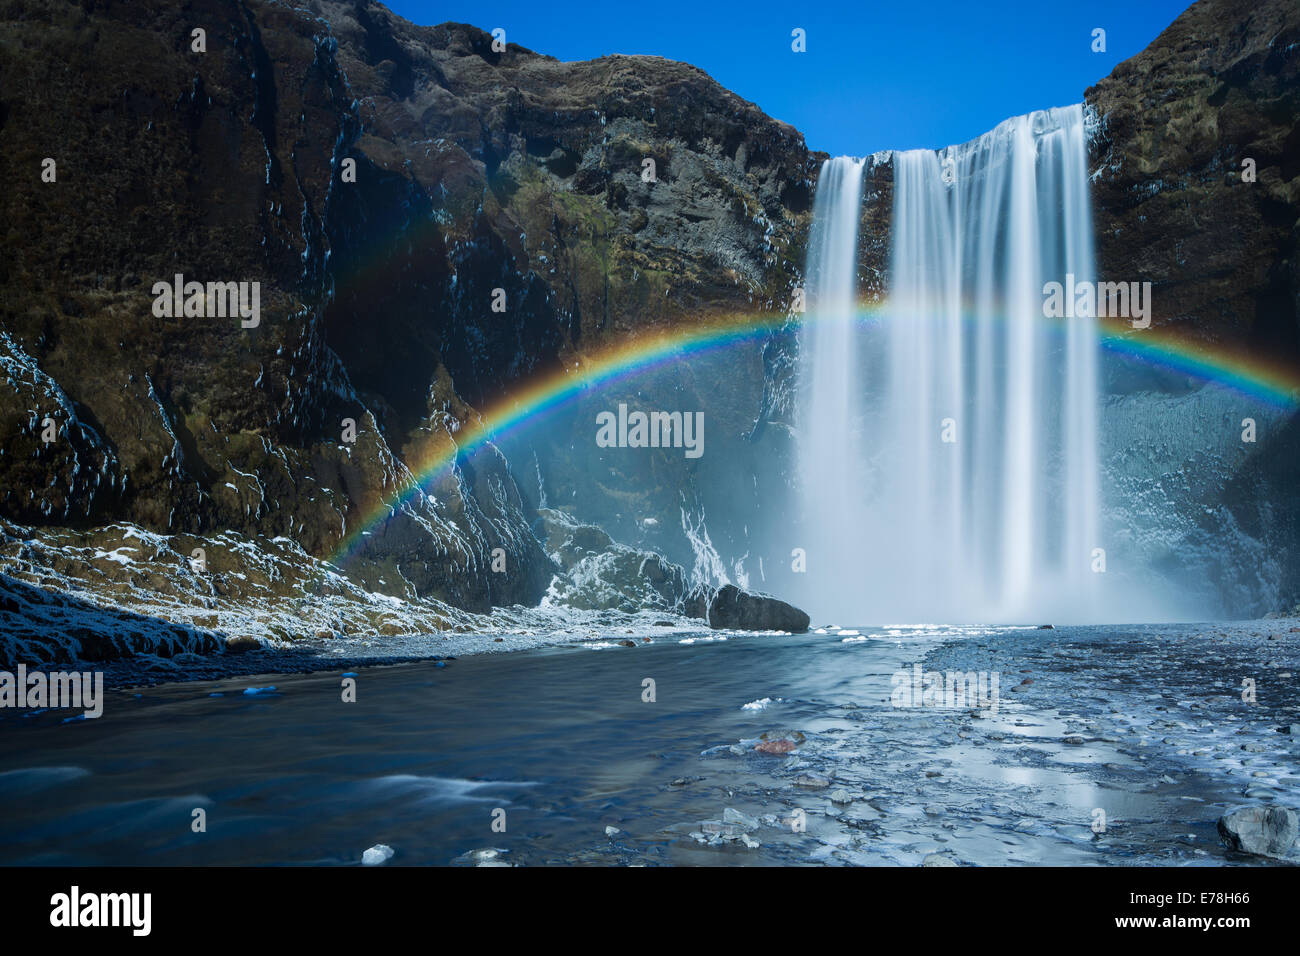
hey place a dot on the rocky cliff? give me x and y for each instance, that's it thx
(385, 185)
(1196, 180)
(433, 221)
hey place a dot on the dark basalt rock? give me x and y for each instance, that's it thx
(476, 171)
(731, 608)
(1219, 86)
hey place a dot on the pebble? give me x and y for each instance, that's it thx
(812, 780)
(938, 859)
(376, 855)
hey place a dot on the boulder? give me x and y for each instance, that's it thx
(728, 607)
(597, 573)
(1260, 830)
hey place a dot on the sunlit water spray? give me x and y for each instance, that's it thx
(950, 447)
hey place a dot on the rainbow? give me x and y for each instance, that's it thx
(537, 399)
(1273, 383)
(540, 398)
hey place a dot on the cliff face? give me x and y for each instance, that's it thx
(1219, 87)
(609, 198)
(476, 171)
(1215, 96)
(586, 201)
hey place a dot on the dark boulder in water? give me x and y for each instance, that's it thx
(730, 607)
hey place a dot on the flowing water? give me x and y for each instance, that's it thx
(835, 509)
(564, 742)
(950, 441)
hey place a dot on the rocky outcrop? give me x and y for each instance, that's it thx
(475, 171)
(597, 574)
(1209, 105)
(222, 166)
(120, 590)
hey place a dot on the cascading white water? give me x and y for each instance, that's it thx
(950, 447)
(830, 445)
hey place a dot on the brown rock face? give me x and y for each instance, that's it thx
(618, 197)
(537, 173)
(476, 171)
(637, 189)
(1218, 89)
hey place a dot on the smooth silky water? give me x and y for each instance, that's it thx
(562, 741)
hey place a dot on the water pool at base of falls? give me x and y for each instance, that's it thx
(563, 742)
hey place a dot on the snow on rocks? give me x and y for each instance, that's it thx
(121, 591)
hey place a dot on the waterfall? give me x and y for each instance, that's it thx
(833, 508)
(950, 442)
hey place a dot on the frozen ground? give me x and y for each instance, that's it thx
(139, 606)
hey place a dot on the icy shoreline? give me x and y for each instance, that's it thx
(131, 601)
(1110, 745)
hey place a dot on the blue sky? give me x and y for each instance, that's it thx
(897, 75)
